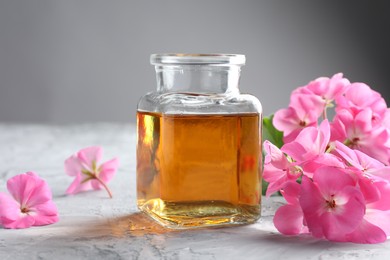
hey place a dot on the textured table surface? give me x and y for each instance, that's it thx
(92, 226)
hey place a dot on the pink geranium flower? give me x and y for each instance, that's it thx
(84, 166)
(373, 176)
(307, 103)
(358, 159)
(358, 132)
(30, 203)
(309, 148)
(310, 143)
(360, 96)
(303, 111)
(327, 88)
(278, 170)
(332, 204)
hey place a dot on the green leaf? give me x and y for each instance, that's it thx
(264, 186)
(273, 135)
(270, 133)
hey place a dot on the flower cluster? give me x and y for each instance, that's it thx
(334, 176)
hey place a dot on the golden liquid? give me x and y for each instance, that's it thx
(199, 170)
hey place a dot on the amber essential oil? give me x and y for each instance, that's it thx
(199, 170)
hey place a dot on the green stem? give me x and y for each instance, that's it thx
(324, 116)
(104, 185)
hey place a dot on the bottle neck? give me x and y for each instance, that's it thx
(198, 79)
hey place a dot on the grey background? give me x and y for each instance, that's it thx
(88, 60)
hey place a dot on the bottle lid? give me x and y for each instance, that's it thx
(197, 59)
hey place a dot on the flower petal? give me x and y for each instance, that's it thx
(24, 221)
(41, 192)
(89, 156)
(312, 202)
(327, 159)
(378, 218)
(323, 136)
(286, 120)
(369, 190)
(78, 185)
(275, 185)
(10, 214)
(73, 166)
(45, 214)
(274, 155)
(275, 177)
(22, 186)
(108, 170)
(383, 202)
(291, 192)
(367, 233)
(382, 174)
(307, 106)
(9, 208)
(309, 144)
(288, 219)
(332, 180)
(96, 185)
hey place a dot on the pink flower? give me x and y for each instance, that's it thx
(373, 176)
(278, 170)
(304, 111)
(358, 132)
(360, 96)
(373, 179)
(84, 166)
(358, 159)
(309, 148)
(310, 143)
(30, 205)
(333, 206)
(327, 88)
(307, 103)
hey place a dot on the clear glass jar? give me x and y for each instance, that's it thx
(199, 143)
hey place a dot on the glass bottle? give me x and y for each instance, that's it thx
(199, 143)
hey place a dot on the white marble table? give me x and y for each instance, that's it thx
(92, 226)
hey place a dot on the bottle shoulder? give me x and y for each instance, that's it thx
(195, 103)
